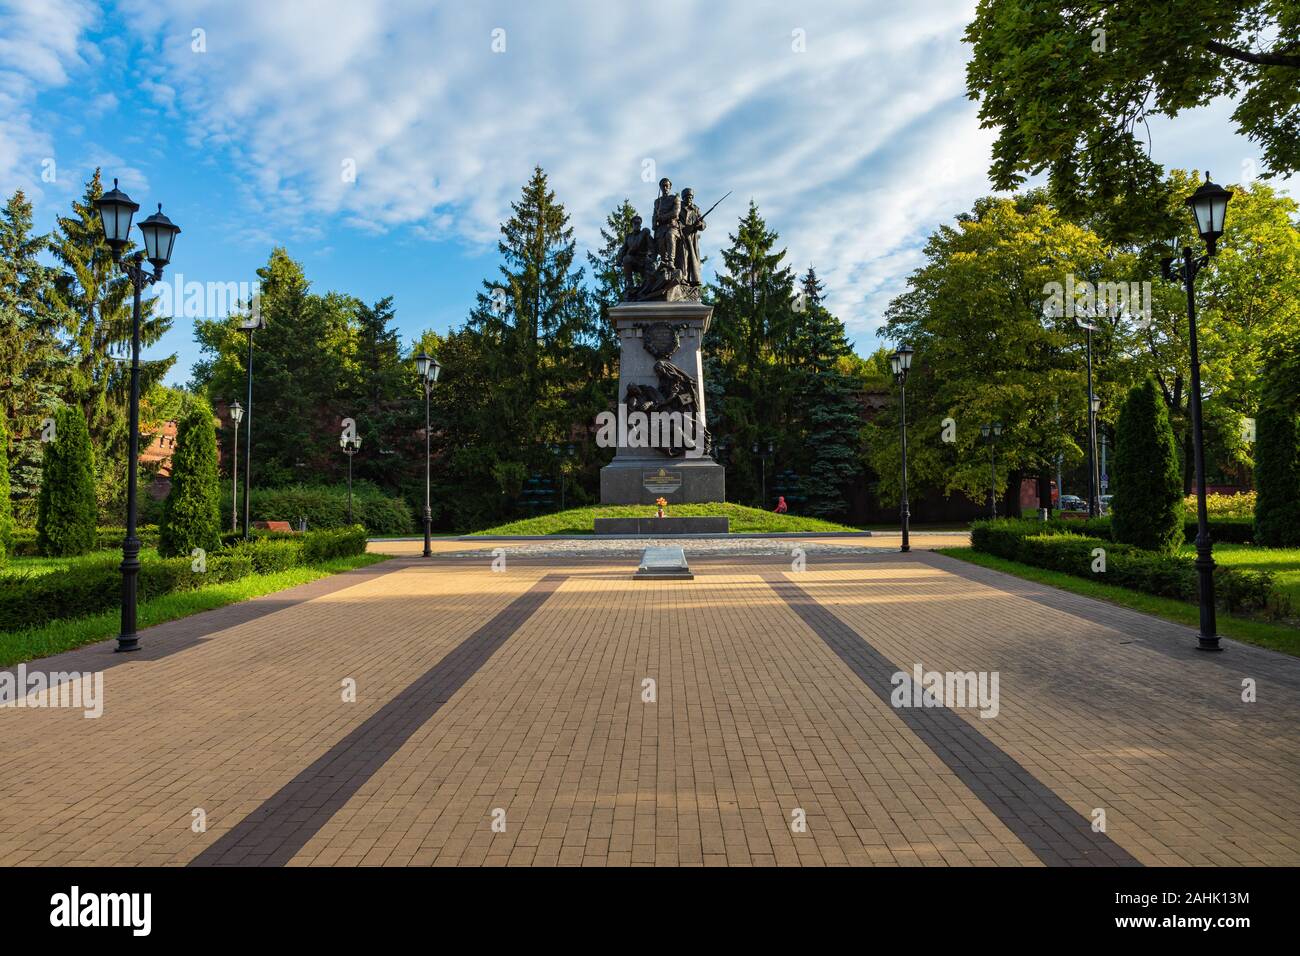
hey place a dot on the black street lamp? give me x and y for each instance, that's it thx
(350, 447)
(1209, 205)
(992, 432)
(1094, 460)
(252, 324)
(901, 363)
(763, 456)
(236, 416)
(561, 452)
(1093, 509)
(428, 368)
(115, 211)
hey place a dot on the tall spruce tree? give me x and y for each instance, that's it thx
(533, 332)
(749, 343)
(191, 513)
(1147, 507)
(300, 393)
(827, 406)
(32, 365)
(66, 510)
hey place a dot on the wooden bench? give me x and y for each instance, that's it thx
(273, 525)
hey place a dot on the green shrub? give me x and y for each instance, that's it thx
(1277, 456)
(326, 506)
(190, 518)
(326, 545)
(24, 544)
(271, 554)
(66, 509)
(1151, 572)
(1147, 507)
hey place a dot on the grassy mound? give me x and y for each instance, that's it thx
(580, 520)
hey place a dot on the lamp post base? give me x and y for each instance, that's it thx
(131, 643)
(1209, 644)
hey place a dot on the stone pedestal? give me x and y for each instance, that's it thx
(640, 475)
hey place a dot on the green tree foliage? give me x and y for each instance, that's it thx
(1147, 508)
(750, 349)
(32, 365)
(1277, 454)
(301, 373)
(66, 511)
(527, 369)
(994, 339)
(1070, 87)
(827, 406)
(190, 516)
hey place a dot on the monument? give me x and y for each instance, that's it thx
(660, 429)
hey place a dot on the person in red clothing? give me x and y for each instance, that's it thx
(781, 505)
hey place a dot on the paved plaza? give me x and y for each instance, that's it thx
(557, 711)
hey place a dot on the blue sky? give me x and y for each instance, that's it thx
(846, 122)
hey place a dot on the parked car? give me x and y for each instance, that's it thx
(1071, 503)
(1105, 503)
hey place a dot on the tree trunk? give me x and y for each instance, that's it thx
(1045, 489)
(1011, 499)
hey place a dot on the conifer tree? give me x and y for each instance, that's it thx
(66, 510)
(1147, 507)
(32, 365)
(191, 513)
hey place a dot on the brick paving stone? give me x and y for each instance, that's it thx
(755, 716)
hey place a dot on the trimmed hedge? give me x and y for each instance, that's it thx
(1223, 529)
(1164, 575)
(190, 518)
(94, 585)
(326, 506)
(24, 544)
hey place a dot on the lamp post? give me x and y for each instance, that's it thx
(1209, 206)
(428, 368)
(236, 416)
(115, 211)
(992, 431)
(1094, 461)
(561, 452)
(901, 363)
(762, 468)
(1093, 510)
(251, 325)
(350, 447)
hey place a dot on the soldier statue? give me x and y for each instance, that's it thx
(668, 208)
(636, 257)
(688, 249)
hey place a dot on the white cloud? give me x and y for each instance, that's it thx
(855, 149)
(40, 42)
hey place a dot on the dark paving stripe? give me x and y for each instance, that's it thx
(1044, 822)
(1176, 641)
(273, 833)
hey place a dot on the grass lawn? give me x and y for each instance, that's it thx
(57, 636)
(1283, 562)
(580, 520)
(39, 565)
(1277, 637)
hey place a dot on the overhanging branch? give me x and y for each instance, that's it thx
(1259, 59)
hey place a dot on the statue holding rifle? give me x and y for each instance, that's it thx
(674, 272)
